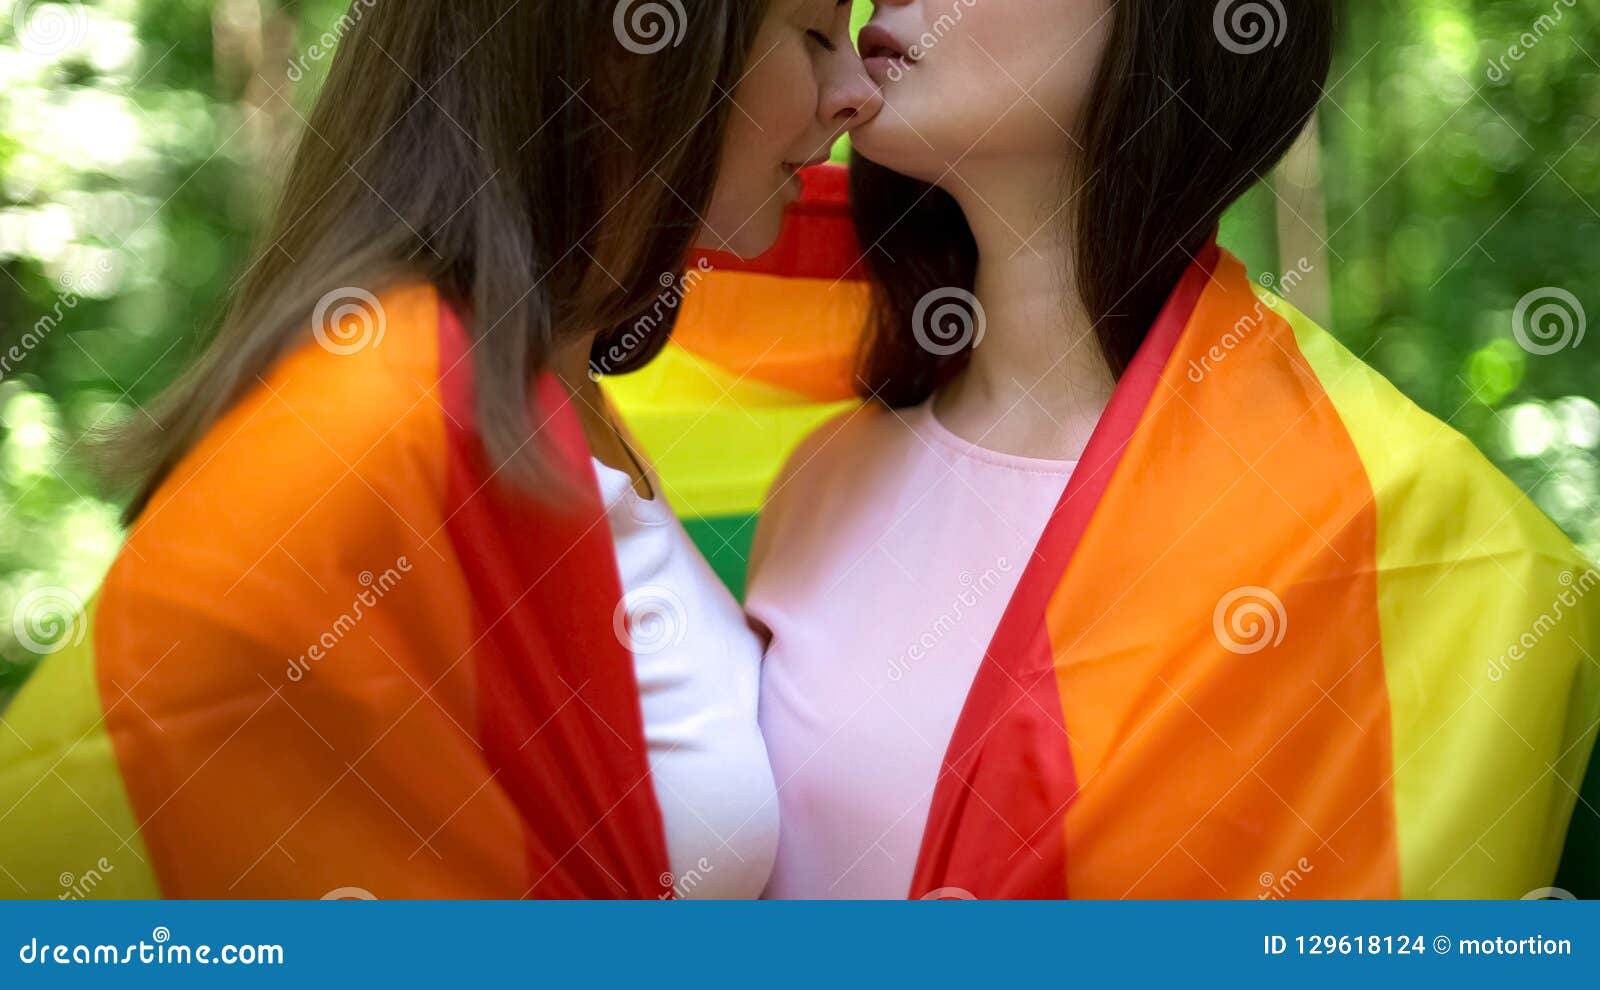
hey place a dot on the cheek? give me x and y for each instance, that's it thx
(1048, 49)
(778, 100)
(772, 116)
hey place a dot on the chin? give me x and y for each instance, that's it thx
(895, 146)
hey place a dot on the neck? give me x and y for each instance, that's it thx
(570, 365)
(1037, 384)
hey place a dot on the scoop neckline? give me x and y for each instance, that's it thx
(926, 423)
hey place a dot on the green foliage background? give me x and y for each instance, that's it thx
(136, 162)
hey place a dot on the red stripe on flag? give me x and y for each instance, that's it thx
(558, 703)
(995, 824)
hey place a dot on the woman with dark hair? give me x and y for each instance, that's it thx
(388, 620)
(1128, 580)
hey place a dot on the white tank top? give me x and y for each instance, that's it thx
(698, 665)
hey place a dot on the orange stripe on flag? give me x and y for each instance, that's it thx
(1225, 694)
(361, 770)
(799, 334)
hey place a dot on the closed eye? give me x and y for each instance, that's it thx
(823, 40)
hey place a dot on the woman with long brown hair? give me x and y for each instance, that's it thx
(1127, 580)
(387, 621)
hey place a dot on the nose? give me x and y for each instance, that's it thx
(849, 97)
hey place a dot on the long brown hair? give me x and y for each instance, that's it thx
(1188, 109)
(542, 162)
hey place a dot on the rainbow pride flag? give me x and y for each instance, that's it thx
(763, 352)
(335, 660)
(1286, 634)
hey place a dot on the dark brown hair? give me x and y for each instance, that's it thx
(542, 162)
(1188, 109)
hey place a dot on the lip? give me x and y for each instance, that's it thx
(883, 54)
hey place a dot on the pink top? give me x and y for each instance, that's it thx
(886, 555)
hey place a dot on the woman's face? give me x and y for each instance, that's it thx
(968, 80)
(804, 87)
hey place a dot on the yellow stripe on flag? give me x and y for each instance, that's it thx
(1492, 698)
(717, 440)
(56, 762)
